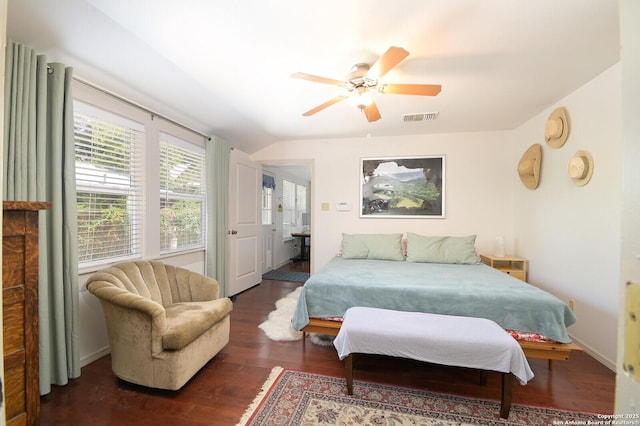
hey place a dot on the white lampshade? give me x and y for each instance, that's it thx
(361, 98)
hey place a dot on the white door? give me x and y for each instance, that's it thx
(268, 226)
(245, 224)
(627, 402)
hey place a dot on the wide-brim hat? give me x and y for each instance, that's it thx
(529, 166)
(556, 130)
(580, 167)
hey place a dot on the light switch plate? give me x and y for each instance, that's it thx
(632, 331)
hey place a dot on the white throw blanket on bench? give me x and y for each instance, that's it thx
(440, 339)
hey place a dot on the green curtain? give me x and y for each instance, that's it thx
(217, 165)
(39, 165)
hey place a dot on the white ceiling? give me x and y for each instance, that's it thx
(223, 67)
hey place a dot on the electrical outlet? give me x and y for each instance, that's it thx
(631, 363)
(324, 207)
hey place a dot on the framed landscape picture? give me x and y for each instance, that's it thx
(402, 187)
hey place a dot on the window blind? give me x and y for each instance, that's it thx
(182, 195)
(267, 206)
(288, 207)
(108, 184)
(301, 203)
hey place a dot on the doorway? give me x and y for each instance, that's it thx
(276, 237)
(269, 229)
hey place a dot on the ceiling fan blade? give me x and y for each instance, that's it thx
(315, 78)
(411, 89)
(392, 57)
(323, 106)
(372, 112)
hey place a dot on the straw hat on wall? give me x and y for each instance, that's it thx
(556, 130)
(529, 166)
(580, 168)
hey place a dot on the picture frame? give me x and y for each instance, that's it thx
(403, 187)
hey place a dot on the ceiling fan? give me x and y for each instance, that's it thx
(364, 78)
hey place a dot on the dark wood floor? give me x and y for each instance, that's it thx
(221, 391)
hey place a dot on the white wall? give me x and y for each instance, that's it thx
(570, 234)
(479, 186)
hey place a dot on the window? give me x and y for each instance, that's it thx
(140, 182)
(288, 208)
(294, 203)
(267, 206)
(108, 183)
(301, 203)
(182, 195)
(268, 185)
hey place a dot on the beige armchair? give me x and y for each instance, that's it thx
(164, 323)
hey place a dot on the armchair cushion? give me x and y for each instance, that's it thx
(186, 321)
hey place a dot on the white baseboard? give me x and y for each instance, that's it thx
(611, 365)
(280, 265)
(88, 359)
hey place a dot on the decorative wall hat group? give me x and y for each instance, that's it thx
(579, 167)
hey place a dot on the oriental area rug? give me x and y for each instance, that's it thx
(297, 398)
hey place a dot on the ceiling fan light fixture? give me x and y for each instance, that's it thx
(363, 80)
(361, 98)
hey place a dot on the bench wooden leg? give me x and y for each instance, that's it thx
(348, 366)
(505, 399)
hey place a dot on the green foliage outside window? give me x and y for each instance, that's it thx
(182, 197)
(180, 224)
(103, 227)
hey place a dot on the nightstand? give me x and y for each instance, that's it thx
(517, 267)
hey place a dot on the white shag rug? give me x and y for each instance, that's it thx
(278, 324)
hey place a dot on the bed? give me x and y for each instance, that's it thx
(449, 279)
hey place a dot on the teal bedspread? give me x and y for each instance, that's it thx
(448, 289)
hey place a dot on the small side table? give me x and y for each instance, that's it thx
(517, 267)
(303, 249)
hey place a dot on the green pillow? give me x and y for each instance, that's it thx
(441, 249)
(372, 246)
(353, 247)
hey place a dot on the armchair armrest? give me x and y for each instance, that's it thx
(144, 315)
(112, 294)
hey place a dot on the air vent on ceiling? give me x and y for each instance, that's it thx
(425, 116)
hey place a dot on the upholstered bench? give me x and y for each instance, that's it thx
(440, 339)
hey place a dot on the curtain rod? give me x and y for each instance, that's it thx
(137, 105)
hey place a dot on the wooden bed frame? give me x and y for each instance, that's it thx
(551, 351)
